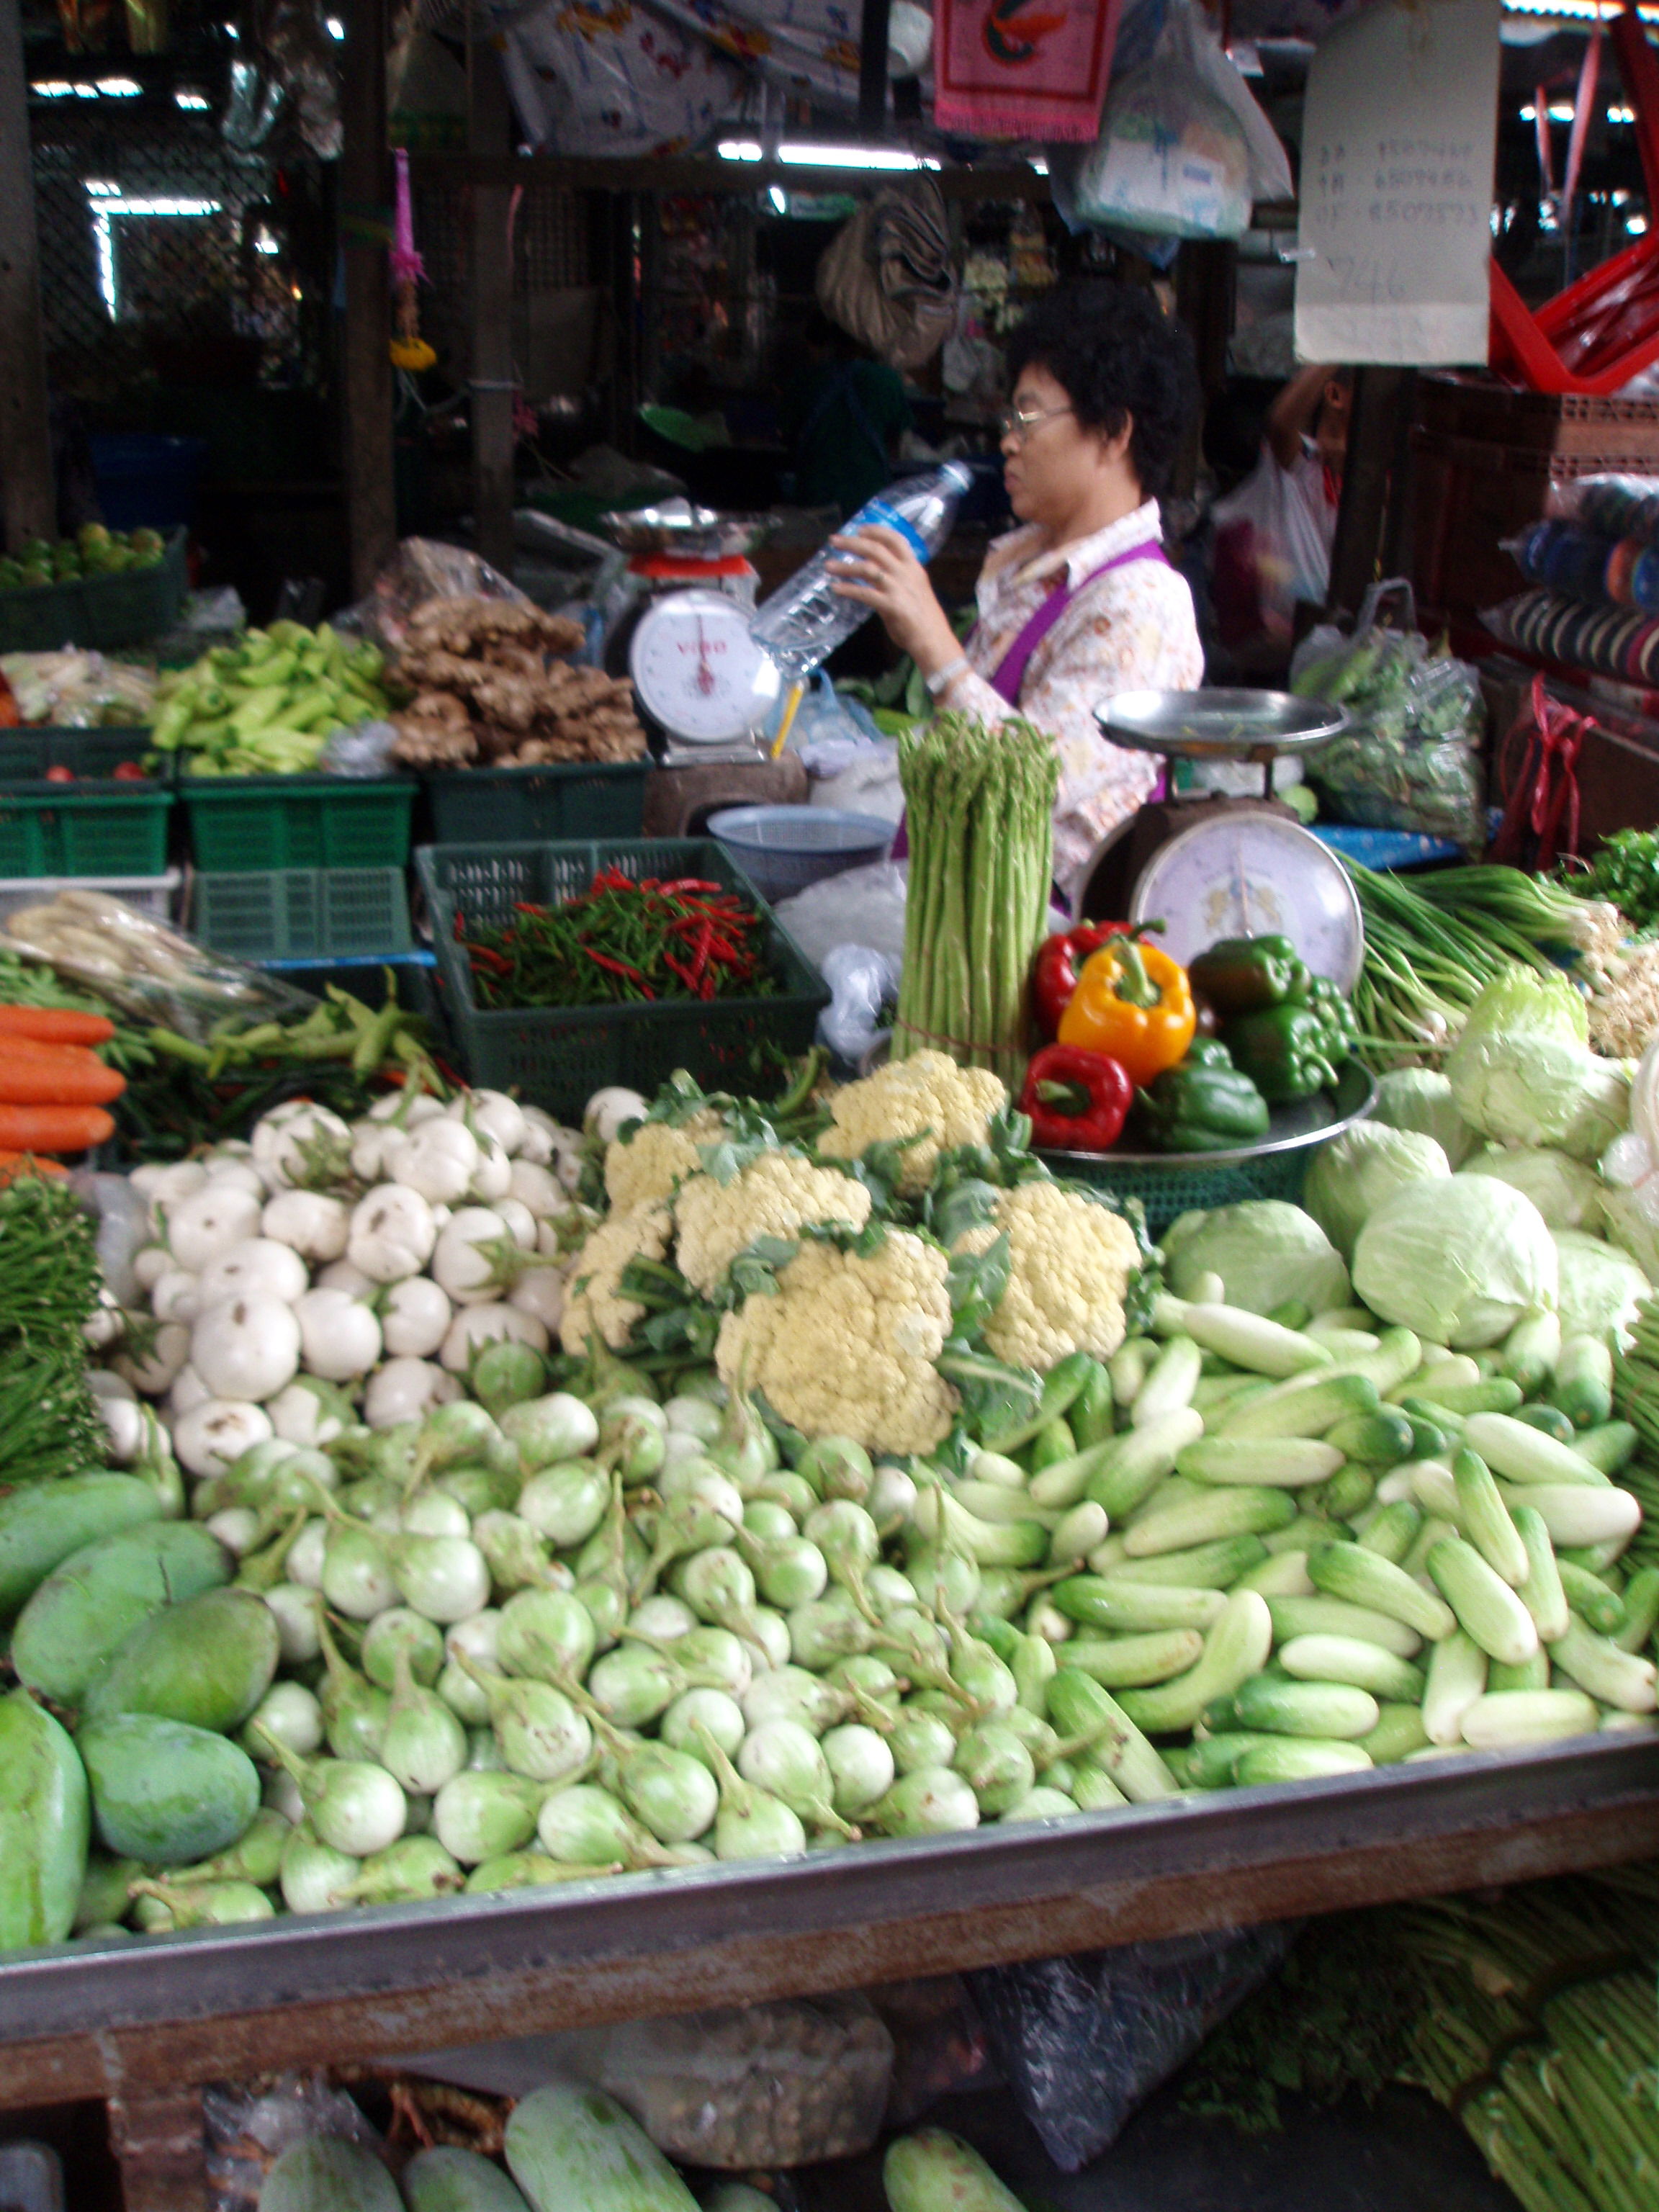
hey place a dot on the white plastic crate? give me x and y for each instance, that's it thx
(152, 895)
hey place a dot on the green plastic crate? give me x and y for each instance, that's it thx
(29, 753)
(105, 612)
(483, 805)
(94, 828)
(243, 822)
(557, 1056)
(304, 914)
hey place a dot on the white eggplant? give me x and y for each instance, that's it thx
(341, 1275)
(315, 1225)
(166, 1186)
(124, 1429)
(414, 1319)
(253, 1267)
(538, 1188)
(477, 1325)
(339, 1336)
(406, 1390)
(185, 1392)
(215, 1434)
(520, 1222)
(159, 1365)
(392, 1232)
(208, 1222)
(310, 1412)
(490, 1113)
(492, 1176)
(608, 1111)
(149, 1265)
(539, 1293)
(246, 1347)
(236, 1174)
(302, 1146)
(438, 1161)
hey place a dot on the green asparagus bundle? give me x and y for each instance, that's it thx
(980, 806)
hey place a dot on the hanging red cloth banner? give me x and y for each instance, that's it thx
(1023, 68)
(1540, 765)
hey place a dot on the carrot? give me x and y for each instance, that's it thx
(53, 1128)
(13, 1165)
(55, 1025)
(57, 1078)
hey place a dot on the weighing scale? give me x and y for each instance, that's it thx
(1209, 866)
(705, 687)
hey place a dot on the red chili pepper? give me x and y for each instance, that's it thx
(492, 960)
(705, 946)
(1078, 1101)
(618, 968)
(1054, 976)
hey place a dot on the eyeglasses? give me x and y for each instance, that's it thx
(1018, 424)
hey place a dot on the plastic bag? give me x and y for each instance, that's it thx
(861, 905)
(587, 78)
(143, 968)
(861, 983)
(421, 569)
(1617, 506)
(1085, 2041)
(364, 751)
(248, 2129)
(1273, 547)
(1410, 758)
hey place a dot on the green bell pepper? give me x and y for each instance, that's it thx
(1247, 974)
(1288, 1052)
(1203, 1104)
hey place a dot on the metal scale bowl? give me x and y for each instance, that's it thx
(700, 681)
(1210, 865)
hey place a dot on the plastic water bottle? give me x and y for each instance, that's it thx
(803, 623)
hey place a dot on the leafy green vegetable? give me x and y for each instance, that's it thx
(1522, 1071)
(1421, 1099)
(1458, 1260)
(1352, 1176)
(1567, 1194)
(1627, 871)
(1267, 1253)
(1600, 1287)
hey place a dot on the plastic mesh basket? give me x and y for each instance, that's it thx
(558, 1056)
(783, 848)
(1166, 1192)
(105, 612)
(239, 822)
(478, 805)
(30, 752)
(98, 829)
(304, 914)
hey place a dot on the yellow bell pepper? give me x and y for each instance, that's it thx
(1133, 1003)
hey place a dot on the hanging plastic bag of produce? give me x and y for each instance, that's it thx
(1410, 758)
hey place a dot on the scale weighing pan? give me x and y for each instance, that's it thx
(1224, 723)
(694, 533)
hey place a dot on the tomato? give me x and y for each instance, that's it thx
(60, 775)
(129, 772)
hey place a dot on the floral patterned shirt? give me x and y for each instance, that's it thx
(1133, 630)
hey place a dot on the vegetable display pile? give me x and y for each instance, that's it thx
(980, 806)
(269, 705)
(77, 689)
(49, 1290)
(1625, 871)
(871, 1487)
(53, 1086)
(623, 941)
(1408, 759)
(92, 551)
(495, 687)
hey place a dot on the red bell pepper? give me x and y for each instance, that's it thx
(1054, 974)
(1078, 1101)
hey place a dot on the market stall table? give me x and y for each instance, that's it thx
(143, 2023)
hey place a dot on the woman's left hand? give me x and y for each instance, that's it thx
(880, 570)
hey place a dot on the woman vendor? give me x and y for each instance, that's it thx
(1079, 601)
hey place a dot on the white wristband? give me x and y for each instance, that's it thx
(941, 678)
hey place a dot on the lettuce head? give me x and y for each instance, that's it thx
(1600, 1286)
(1523, 1072)
(1459, 1259)
(1351, 1175)
(1566, 1193)
(1421, 1099)
(1266, 1252)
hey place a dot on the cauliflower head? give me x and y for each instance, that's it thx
(778, 1195)
(593, 1304)
(846, 1347)
(642, 1168)
(1070, 1264)
(928, 1092)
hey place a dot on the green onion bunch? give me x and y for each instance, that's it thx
(979, 807)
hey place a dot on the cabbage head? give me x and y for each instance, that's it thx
(1600, 1287)
(1567, 1194)
(1351, 1175)
(1421, 1099)
(1459, 1260)
(1523, 1072)
(1266, 1252)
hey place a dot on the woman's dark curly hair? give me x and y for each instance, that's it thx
(1118, 356)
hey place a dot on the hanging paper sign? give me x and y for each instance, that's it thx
(1399, 137)
(1023, 68)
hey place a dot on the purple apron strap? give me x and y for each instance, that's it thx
(1010, 669)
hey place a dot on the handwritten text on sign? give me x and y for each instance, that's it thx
(1398, 140)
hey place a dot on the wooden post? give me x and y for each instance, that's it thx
(489, 131)
(158, 2141)
(1379, 397)
(873, 69)
(365, 234)
(27, 490)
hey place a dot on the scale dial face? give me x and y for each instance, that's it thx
(697, 669)
(1253, 875)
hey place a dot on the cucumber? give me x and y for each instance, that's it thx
(1249, 1341)
(1101, 1602)
(1608, 1446)
(446, 2180)
(165, 1792)
(1327, 1709)
(1532, 1347)
(1486, 1608)
(1351, 1659)
(1211, 1762)
(87, 1606)
(1381, 1438)
(1581, 1382)
(1532, 1674)
(1541, 1592)
(1550, 1421)
(1308, 1405)
(1521, 1452)
(1347, 1493)
(1576, 1516)
(1599, 1607)
(1128, 1663)
(1638, 1610)
(1399, 1732)
(1323, 1615)
(574, 2149)
(1393, 1531)
(933, 2172)
(1281, 1574)
(1597, 1665)
(1123, 1755)
(1363, 1577)
(1485, 1519)
(1509, 1720)
(1207, 1566)
(1299, 1758)
(1170, 1381)
(1236, 1647)
(1211, 1518)
(1135, 1462)
(208, 1661)
(1282, 1463)
(327, 2173)
(42, 1525)
(1497, 1395)
(1457, 1677)
(44, 1825)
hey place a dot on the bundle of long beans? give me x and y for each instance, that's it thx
(1636, 1399)
(1540, 2030)
(980, 806)
(49, 1285)
(1432, 945)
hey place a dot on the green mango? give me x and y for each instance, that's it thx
(86, 1609)
(327, 2173)
(41, 1525)
(208, 1661)
(43, 1826)
(165, 1792)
